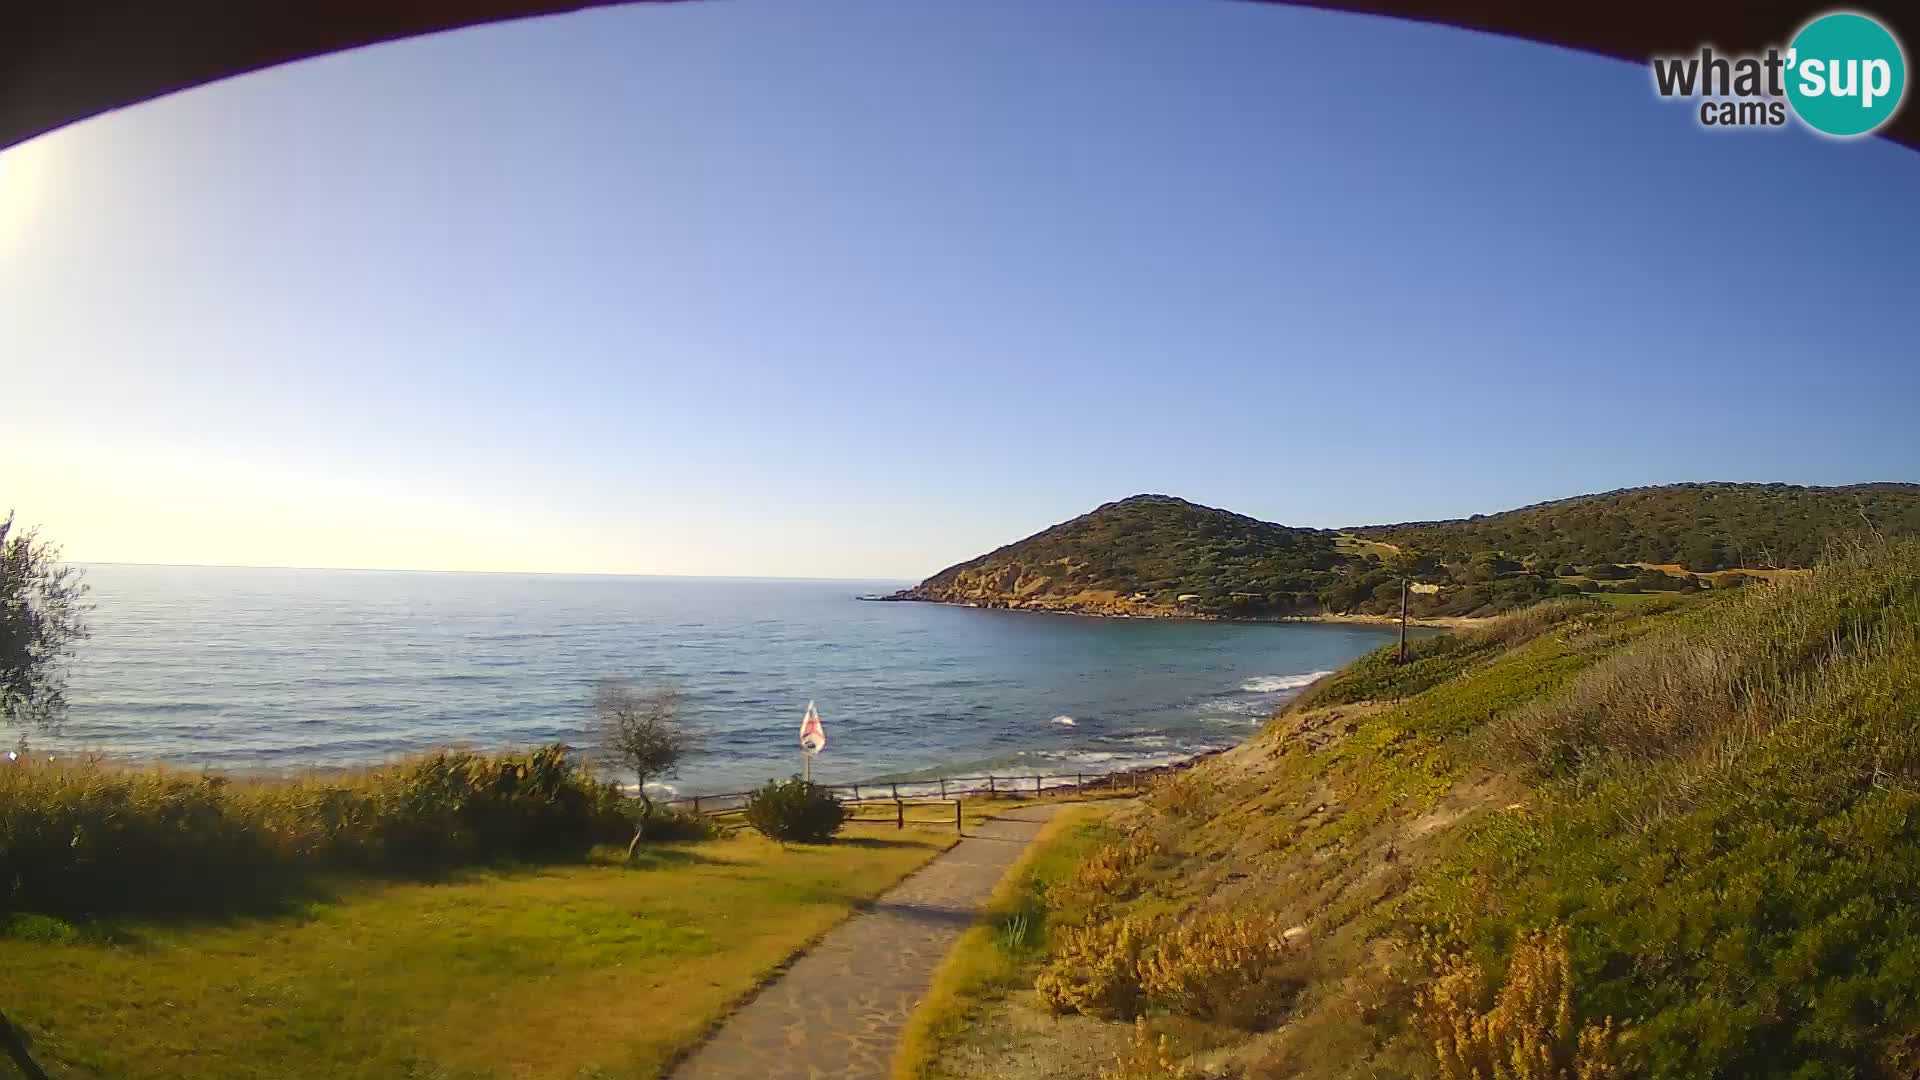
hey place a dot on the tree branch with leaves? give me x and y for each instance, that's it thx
(43, 611)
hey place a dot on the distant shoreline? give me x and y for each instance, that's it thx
(1435, 622)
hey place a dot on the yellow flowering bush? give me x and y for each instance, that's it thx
(1095, 970)
(1233, 967)
(1528, 1032)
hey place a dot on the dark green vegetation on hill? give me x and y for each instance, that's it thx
(1157, 555)
(1147, 552)
(1702, 527)
(1675, 841)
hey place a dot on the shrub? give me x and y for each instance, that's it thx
(1528, 1034)
(1095, 970)
(1225, 966)
(668, 824)
(795, 811)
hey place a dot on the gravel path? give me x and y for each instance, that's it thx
(837, 1013)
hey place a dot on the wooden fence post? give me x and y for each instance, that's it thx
(990, 791)
(959, 827)
(896, 792)
(696, 804)
(899, 814)
(943, 787)
(856, 793)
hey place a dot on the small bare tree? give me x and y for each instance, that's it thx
(639, 733)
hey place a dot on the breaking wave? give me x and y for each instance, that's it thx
(1267, 684)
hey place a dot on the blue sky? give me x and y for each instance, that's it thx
(861, 289)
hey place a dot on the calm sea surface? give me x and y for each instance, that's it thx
(285, 669)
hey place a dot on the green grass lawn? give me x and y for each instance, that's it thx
(596, 970)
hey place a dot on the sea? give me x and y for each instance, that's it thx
(275, 670)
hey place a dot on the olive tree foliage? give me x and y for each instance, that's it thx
(639, 732)
(43, 618)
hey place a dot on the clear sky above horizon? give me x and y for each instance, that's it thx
(860, 289)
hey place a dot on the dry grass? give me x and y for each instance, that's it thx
(1722, 674)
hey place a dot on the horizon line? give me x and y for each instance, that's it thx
(523, 573)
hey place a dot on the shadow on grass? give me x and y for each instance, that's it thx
(293, 894)
(874, 842)
(664, 856)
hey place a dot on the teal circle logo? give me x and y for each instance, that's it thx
(1845, 74)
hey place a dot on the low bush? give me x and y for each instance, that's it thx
(1528, 1033)
(795, 811)
(1095, 970)
(88, 837)
(670, 824)
(1229, 967)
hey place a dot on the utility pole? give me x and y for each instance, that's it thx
(1403, 620)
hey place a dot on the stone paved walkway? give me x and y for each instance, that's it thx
(838, 1011)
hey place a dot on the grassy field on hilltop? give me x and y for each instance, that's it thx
(1584, 841)
(1698, 527)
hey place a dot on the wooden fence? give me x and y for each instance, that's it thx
(896, 799)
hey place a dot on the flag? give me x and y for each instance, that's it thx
(813, 736)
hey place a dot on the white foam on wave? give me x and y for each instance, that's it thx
(1268, 684)
(1064, 721)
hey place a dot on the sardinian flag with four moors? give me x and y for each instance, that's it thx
(813, 736)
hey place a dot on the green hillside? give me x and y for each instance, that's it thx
(1579, 842)
(1703, 527)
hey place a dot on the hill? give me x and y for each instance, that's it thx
(1155, 555)
(1579, 841)
(1148, 555)
(1703, 527)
